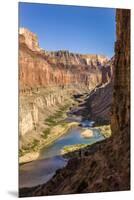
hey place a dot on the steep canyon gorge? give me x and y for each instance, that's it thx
(49, 81)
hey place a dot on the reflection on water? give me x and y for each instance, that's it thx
(72, 137)
(40, 171)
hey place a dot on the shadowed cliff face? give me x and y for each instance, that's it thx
(121, 95)
(100, 99)
(106, 165)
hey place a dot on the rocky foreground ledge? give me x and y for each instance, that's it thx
(106, 166)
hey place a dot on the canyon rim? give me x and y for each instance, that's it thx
(74, 107)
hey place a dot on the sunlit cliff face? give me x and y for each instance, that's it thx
(105, 166)
(40, 68)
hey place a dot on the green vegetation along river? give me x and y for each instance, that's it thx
(41, 170)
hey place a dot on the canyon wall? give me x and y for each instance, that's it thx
(121, 94)
(41, 68)
(37, 105)
(53, 77)
(99, 100)
(106, 165)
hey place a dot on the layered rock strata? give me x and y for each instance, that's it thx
(41, 68)
(99, 100)
(106, 165)
(48, 80)
(52, 77)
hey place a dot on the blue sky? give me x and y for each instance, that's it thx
(73, 28)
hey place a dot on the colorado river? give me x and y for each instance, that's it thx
(42, 170)
(72, 137)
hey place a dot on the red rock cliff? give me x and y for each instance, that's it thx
(106, 165)
(41, 68)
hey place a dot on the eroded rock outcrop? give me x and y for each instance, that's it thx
(106, 165)
(37, 105)
(99, 100)
(40, 68)
(28, 38)
(28, 118)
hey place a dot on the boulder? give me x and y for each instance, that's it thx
(87, 133)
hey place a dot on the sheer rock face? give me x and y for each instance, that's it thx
(121, 98)
(106, 165)
(100, 99)
(28, 118)
(40, 68)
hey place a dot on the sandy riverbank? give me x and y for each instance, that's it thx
(55, 133)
